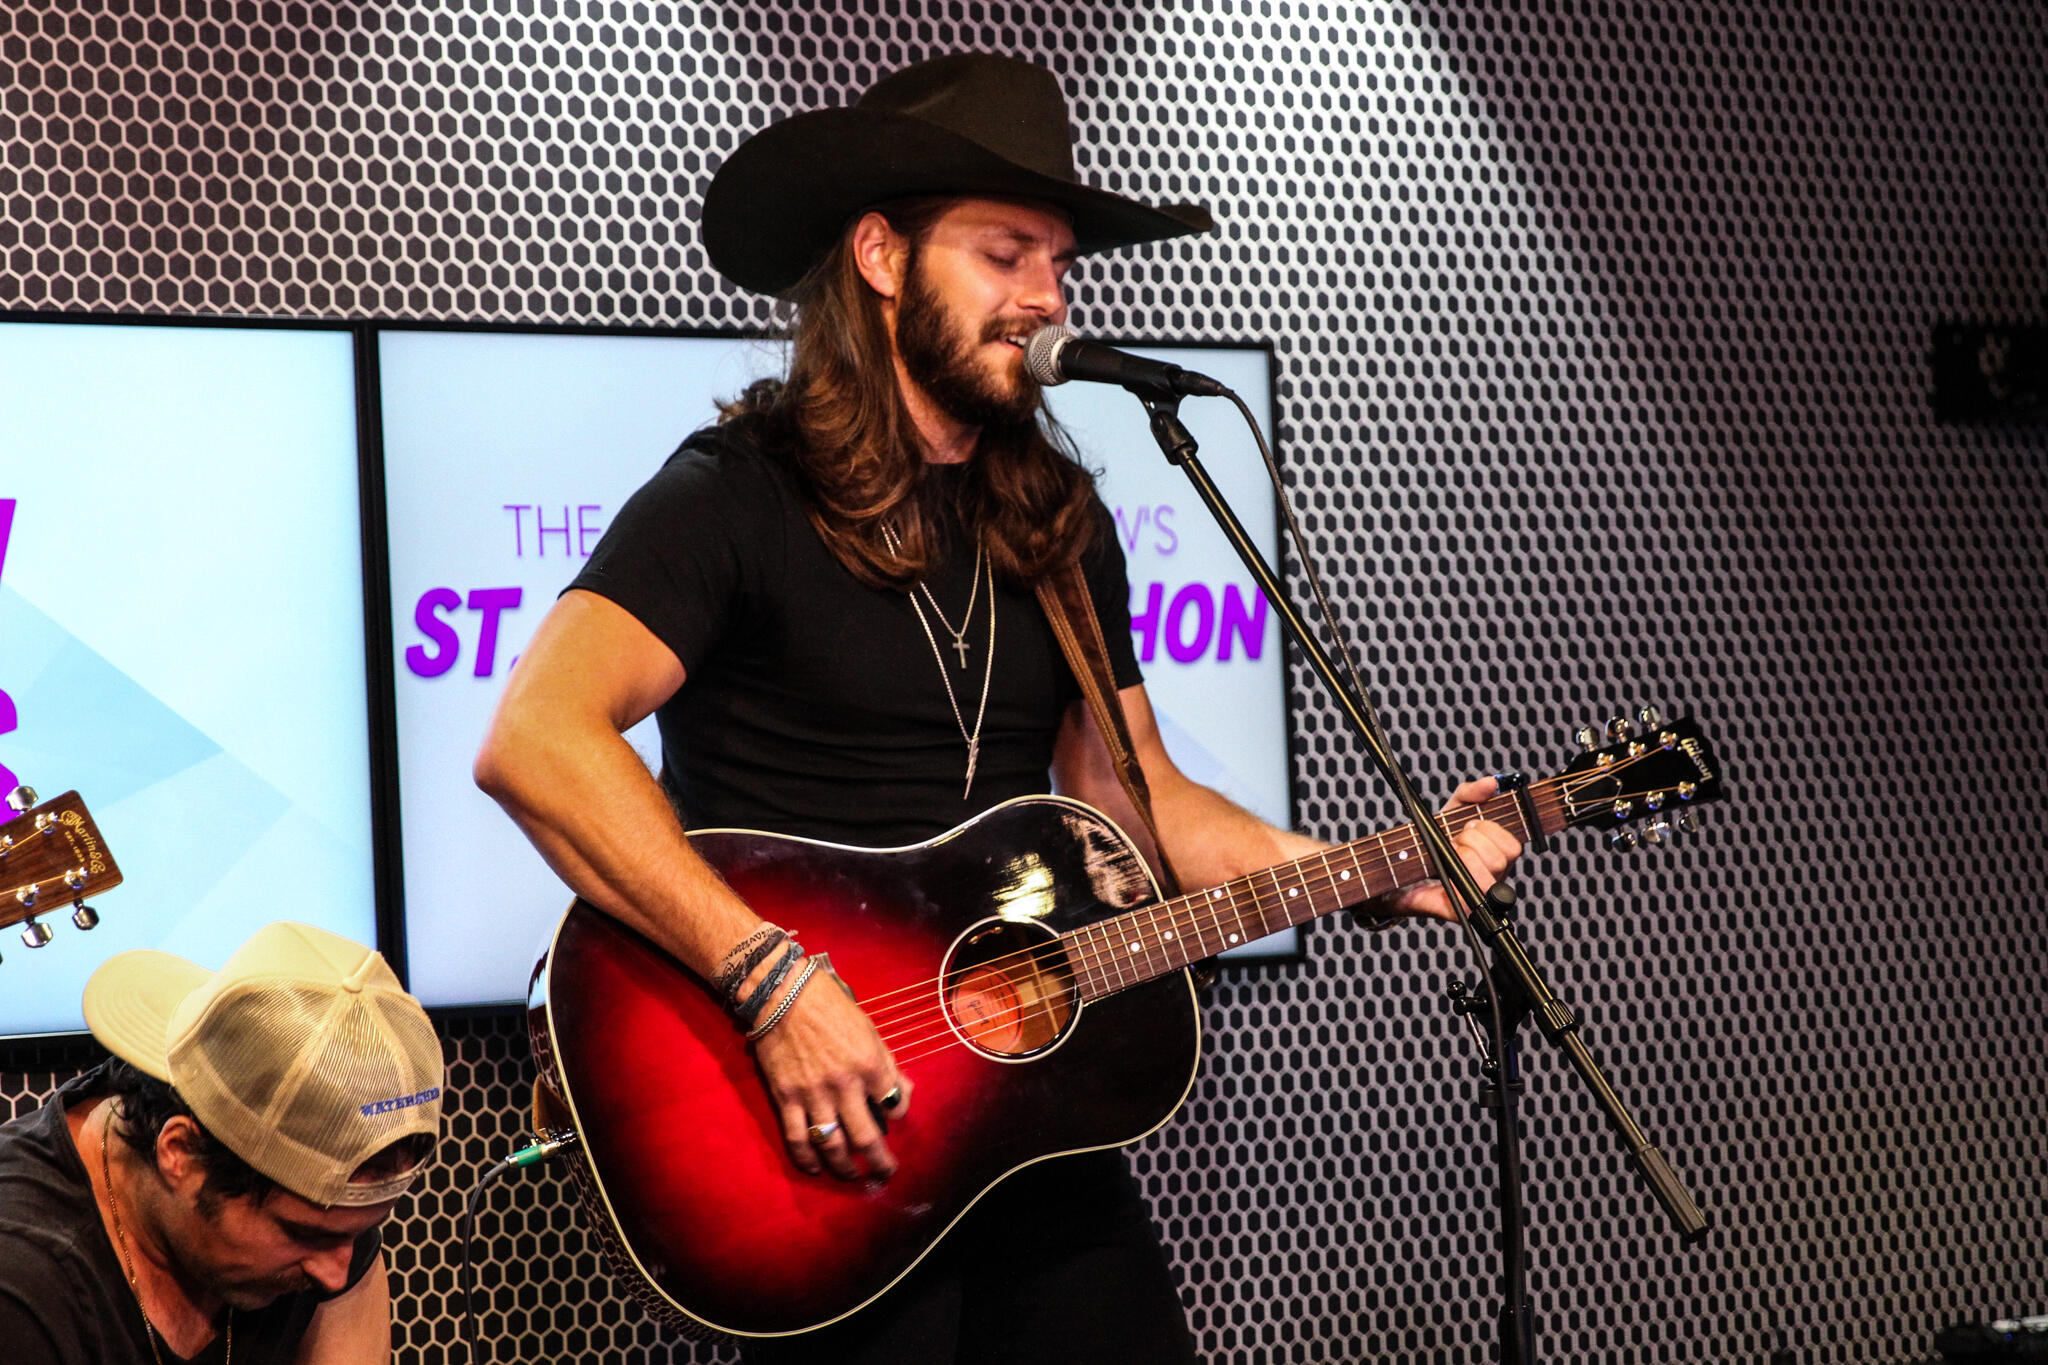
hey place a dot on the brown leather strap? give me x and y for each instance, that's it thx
(1070, 608)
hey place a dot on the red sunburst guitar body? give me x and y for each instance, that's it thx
(683, 1155)
(1027, 979)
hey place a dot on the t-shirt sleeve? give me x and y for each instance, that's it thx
(28, 1339)
(679, 555)
(367, 1248)
(1109, 584)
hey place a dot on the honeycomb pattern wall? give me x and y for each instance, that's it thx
(1603, 334)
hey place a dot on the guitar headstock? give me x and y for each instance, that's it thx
(51, 856)
(1650, 770)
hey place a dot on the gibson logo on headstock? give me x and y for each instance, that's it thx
(1697, 752)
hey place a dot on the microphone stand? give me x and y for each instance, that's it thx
(1516, 987)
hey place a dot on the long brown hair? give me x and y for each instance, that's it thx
(840, 417)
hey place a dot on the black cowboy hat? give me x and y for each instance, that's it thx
(968, 124)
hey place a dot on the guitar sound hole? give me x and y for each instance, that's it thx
(1008, 989)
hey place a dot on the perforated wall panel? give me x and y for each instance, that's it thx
(1603, 334)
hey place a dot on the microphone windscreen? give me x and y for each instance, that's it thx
(1042, 354)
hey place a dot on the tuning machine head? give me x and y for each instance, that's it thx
(1622, 841)
(1650, 717)
(21, 798)
(85, 917)
(36, 934)
(1688, 822)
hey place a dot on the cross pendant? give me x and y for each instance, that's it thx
(973, 757)
(960, 644)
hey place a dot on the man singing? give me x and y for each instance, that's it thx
(827, 599)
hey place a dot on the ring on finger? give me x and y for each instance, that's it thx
(821, 1133)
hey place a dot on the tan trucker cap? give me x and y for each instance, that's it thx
(303, 1053)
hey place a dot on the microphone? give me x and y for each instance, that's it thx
(1054, 355)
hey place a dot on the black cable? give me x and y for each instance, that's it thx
(531, 1155)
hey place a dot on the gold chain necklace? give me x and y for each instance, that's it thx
(121, 1244)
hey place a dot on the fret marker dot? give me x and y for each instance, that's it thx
(1345, 877)
(1404, 855)
(1233, 938)
(1134, 947)
(1294, 891)
(1169, 935)
(1215, 895)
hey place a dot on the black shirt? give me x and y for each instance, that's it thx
(813, 704)
(63, 1297)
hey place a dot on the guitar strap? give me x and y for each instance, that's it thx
(1070, 607)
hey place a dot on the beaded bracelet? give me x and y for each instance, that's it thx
(803, 979)
(746, 1013)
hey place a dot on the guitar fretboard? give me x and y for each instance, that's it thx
(1113, 954)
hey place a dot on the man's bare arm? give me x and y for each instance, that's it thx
(1209, 838)
(556, 759)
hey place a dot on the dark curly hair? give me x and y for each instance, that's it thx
(147, 1104)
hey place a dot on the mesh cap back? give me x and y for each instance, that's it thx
(303, 1054)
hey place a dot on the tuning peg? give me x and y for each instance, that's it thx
(21, 798)
(1650, 717)
(36, 934)
(1622, 841)
(1621, 727)
(1588, 738)
(1654, 832)
(85, 917)
(1688, 822)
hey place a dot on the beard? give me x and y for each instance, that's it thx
(939, 353)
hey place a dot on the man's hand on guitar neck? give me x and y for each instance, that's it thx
(827, 1072)
(1487, 848)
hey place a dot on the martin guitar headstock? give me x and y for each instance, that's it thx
(51, 857)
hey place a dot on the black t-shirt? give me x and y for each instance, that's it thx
(813, 704)
(63, 1297)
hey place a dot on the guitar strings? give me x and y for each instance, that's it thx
(917, 1017)
(1394, 847)
(947, 1038)
(1190, 905)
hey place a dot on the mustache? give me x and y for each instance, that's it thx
(998, 329)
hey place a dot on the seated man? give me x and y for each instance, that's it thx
(215, 1191)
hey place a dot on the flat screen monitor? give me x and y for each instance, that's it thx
(181, 634)
(507, 454)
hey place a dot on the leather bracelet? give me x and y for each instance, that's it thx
(733, 976)
(803, 979)
(762, 930)
(745, 1014)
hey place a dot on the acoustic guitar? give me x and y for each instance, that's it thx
(51, 856)
(1028, 978)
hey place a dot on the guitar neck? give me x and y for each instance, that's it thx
(1125, 950)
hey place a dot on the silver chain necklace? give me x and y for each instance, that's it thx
(972, 737)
